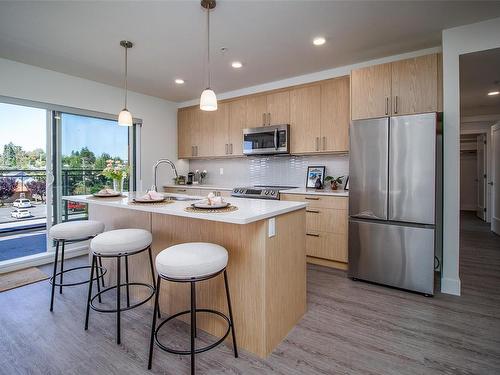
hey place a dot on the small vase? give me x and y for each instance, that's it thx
(118, 185)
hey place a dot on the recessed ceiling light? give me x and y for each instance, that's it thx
(236, 64)
(491, 93)
(319, 41)
(179, 81)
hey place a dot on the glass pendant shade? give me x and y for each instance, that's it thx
(125, 118)
(208, 100)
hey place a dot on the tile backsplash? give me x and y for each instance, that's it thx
(268, 170)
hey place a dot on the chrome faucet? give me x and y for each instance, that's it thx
(155, 167)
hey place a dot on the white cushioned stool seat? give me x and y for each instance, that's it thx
(121, 241)
(192, 259)
(75, 230)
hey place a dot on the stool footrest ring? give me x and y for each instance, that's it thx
(95, 308)
(101, 269)
(199, 350)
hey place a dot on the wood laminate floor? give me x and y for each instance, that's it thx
(350, 328)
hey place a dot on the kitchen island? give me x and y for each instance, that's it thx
(267, 263)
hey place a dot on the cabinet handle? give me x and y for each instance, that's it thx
(387, 105)
(324, 143)
(312, 235)
(317, 143)
(268, 118)
(231, 148)
(226, 148)
(396, 109)
(263, 119)
(196, 150)
(312, 198)
(183, 190)
(192, 150)
(312, 211)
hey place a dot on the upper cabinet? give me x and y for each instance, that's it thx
(305, 119)
(400, 88)
(270, 109)
(334, 117)
(237, 122)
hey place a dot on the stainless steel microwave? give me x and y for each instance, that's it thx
(267, 140)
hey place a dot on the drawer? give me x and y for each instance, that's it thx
(327, 245)
(321, 201)
(326, 220)
(181, 190)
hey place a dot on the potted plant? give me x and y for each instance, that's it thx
(117, 171)
(334, 181)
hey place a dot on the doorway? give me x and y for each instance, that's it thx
(47, 152)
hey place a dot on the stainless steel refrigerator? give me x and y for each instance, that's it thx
(395, 200)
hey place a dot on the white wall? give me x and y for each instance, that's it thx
(456, 41)
(468, 184)
(159, 131)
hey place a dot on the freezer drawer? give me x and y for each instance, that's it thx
(412, 168)
(394, 255)
(368, 168)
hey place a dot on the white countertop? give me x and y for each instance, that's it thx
(206, 187)
(249, 210)
(302, 190)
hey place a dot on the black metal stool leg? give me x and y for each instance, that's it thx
(195, 320)
(54, 277)
(126, 280)
(94, 259)
(90, 292)
(193, 323)
(235, 348)
(62, 267)
(153, 325)
(118, 307)
(153, 276)
(102, 272)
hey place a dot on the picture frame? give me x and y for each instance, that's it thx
(313, 173)
(346, 186)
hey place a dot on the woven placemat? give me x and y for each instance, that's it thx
(211, 210)
(164, 203)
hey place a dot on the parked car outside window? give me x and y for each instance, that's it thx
(21, 213)
(22, 203)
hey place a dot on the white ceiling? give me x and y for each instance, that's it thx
(478, 73)
(271, 38)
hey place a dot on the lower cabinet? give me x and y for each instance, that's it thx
(326, 228)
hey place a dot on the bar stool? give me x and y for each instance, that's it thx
(69, 232)
(118, 244)
(191, 263)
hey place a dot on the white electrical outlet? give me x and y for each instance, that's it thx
(221, 171)
(271, 227)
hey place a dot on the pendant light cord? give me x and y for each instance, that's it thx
(126, 78)
(208, 46)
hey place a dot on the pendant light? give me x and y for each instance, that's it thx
(208, 100)
(125, 117)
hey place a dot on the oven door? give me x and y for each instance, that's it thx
(266, 140)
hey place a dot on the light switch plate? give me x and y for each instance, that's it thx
(271, 227)
(221, 171)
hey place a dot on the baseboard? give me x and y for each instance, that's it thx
(450, 286)
(39, 259)
(327, 263)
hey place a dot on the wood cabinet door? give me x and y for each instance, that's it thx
(326, 245)
(221, 130)
(256, 109)
(415, 85)
(371, 92)
(185, 123)
(278, 108)
(305, 119)
(335, 115)
(206, 129)
(237, 122)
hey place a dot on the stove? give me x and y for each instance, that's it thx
(260, 191)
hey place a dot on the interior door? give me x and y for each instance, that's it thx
(495, 181)
(368, 168)
(481, 177)
(412, 169)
